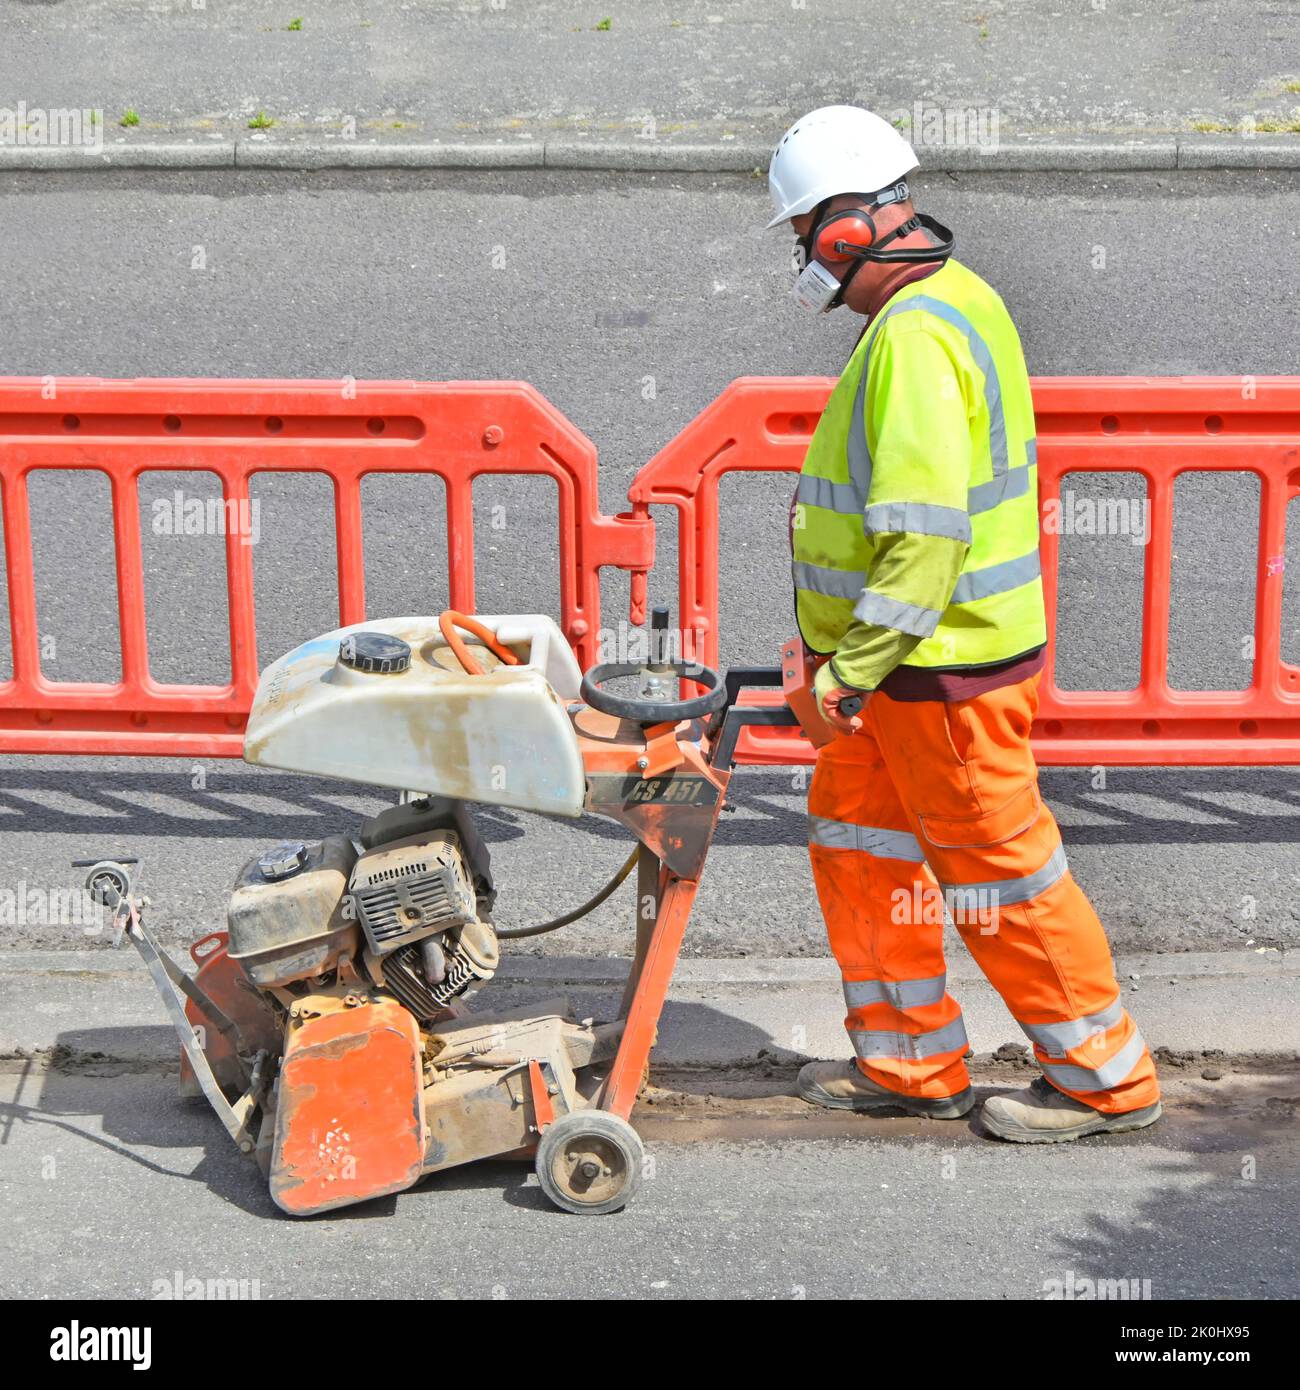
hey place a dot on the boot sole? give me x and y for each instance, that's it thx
(1101, 1124)
(945, 1108)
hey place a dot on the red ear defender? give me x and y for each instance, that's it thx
(853, 227)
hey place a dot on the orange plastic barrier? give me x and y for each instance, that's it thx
(1156, 427)
(344, 430)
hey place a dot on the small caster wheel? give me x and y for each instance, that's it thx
(590, 1161)
(108, 883)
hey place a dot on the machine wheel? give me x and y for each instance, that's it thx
(108, 882)
(590, 1161)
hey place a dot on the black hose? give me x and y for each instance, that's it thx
(589, 906)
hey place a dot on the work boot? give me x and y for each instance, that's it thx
(1041, 1114)
(842, 1086)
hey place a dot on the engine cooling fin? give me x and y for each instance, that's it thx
(469, 960)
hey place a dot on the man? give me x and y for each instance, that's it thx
(915, 549)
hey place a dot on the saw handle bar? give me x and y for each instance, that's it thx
(654, 711)
(449, 620)
(730, 717)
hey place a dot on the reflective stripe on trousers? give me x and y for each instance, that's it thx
(1058, 1040)
(902, 994)
(870, 839)
(1003, 892)
(1070, 1076)
(909, 1047)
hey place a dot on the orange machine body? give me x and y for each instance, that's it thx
(350, 1120)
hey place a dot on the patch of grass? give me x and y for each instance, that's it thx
(1211, 127)
(605, 25)
(261, 122)
(294, 26)
(1270, 125)
(130, 116)
(1292, 86)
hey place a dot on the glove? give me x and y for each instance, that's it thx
(829, 693)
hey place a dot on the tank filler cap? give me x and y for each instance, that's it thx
(283, 861)
(375, 652)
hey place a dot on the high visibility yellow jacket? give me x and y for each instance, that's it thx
(915, 535)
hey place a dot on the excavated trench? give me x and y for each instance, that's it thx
(1213, 1101)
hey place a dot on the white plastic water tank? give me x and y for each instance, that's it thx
(503, 737)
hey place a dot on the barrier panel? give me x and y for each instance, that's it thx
(454, 430)
(1155, 427)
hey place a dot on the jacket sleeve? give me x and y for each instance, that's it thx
(916, 520)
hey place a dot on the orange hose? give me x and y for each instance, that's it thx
(449, 620)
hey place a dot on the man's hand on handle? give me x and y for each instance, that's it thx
(838, 705)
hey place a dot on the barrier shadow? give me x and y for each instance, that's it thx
(1220, 793)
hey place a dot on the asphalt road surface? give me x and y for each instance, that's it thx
(116, 1189)
(630, 303)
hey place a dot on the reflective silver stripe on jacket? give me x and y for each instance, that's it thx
(1056, 1039)
(821, 579)
(984, 361)
(918, 519)
(848, 499)
(884, 611)
(997, 579)
(1102, 1078)
(1006, 891)
(983, 497)
(909, 1047)
(843, 498)
(858, 450)
(902, 994)
(860, 454)
(870, 839)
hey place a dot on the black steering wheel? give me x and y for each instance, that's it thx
(654, 711)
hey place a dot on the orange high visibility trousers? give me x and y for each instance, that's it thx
(931, 812)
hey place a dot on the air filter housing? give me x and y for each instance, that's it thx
(408, 889)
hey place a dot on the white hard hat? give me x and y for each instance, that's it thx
(836, 149)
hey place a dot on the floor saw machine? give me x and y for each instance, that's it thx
(330, 1026)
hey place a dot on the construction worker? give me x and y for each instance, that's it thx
(915, 559)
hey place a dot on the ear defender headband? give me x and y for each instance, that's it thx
(850, 238)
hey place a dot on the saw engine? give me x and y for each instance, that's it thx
(405, 907)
